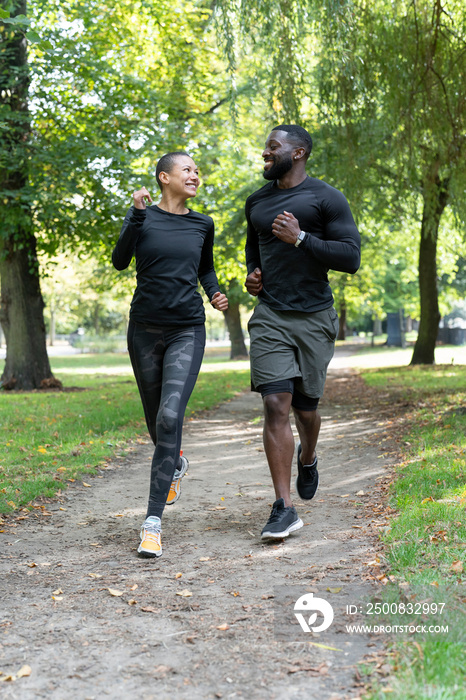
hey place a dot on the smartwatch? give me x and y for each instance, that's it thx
(300, 238)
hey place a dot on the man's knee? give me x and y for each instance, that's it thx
(277, 407)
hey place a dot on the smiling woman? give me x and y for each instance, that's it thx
(173, 246)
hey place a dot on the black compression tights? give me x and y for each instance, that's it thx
(166, 362)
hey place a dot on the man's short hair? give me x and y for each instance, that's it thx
(297, 135)
(166, 163)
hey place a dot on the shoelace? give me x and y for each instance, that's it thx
(274, 515)
(152, 536)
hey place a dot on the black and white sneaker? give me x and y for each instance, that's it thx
(307, 480)
(283, 520)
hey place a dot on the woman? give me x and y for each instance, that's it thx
(173, 247)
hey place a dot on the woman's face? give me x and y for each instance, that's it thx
(183, 178)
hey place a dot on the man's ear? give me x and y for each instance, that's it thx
(298, 153)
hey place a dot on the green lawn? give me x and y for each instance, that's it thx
(426, 540)
(50, 439)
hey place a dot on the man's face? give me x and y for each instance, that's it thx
(277, 155)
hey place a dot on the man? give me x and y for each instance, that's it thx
(298, 228)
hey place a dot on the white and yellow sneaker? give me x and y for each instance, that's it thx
(175, 488)
(151, 537)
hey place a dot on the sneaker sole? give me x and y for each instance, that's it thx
(297, 525)
(149, 554)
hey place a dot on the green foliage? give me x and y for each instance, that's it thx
(51, 439)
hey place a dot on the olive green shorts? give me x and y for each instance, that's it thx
(292, 345)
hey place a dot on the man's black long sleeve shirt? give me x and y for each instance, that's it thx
(295, 278)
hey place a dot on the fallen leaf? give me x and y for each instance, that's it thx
(334, 590)
(95, 575)
(57, 592)
(24, 671)
(57, 597)
(361, 493)
(426, 500)
(324, 646)
(184, 593)
(204, 559)
(457, 567)
(32, 564)
(266, 596)
(133, 588)
(132, 601)
(114, 592)
(178, 575)
(223, 627)
(88, 485)
(149, 608)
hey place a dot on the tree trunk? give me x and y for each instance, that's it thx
(435, 200)
(22, 307)
(342, 321)
(233, 321)
(22, 317)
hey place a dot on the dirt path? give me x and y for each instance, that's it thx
(214, 616)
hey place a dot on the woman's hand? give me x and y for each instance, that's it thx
(219, 301)
(139, 198)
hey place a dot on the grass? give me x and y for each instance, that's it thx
(427, 538)
(52, 439)
(382, 356)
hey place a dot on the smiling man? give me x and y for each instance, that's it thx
(299, 227)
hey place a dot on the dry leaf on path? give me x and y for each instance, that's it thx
(184, 593)
(114, 592)
(223, 627)
(178, 575)
(149, 608)
(24, 671)
(88, 485)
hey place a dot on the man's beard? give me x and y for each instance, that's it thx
(279, 169)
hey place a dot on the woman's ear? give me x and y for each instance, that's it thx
(164, 177)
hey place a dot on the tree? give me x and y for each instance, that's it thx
(21, 312)
(116, 90)
(400, 97)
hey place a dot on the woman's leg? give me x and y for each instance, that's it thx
(146, 347)
(181, 363)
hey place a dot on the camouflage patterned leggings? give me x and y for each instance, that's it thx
(166, 363)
